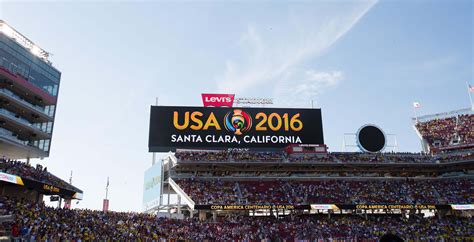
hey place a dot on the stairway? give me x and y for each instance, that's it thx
(239, 193)
(182, 194)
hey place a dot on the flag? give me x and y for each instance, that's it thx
(471, 88)
(105, 205)
(67, 204)
(416, 105)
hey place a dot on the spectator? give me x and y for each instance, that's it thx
(54, 224)
(449, 132)
(38, 173)
(447, 191)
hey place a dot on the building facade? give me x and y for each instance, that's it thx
(29, 87)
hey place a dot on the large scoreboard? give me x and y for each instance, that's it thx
(174, 127)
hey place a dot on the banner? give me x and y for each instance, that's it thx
(392, 206)
(220, 128)
(324, 207)
(105, 205)
(41, 187)
(331, 206)
(251, 207)
(48, 189)
(152, 187)
(11, 178)
(67, 204)
(462, 206)
(217, 100)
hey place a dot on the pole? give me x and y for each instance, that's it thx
(470, 97)
(161, 180)
(416, 115)
(154, 154)
(169, 186)
(396, 144)
(107, 189)
(312, 104)
(153, 162)
(344, 143)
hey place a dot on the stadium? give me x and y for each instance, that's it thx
(236, 169)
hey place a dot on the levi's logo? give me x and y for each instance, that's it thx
(217, 100)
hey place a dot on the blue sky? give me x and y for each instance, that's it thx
(361, 62)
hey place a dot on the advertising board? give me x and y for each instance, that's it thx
(221, 128)
(217, 100)
(152, 187)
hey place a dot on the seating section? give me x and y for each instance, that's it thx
(38, 173)
(37, 222)
(335, 157)
(449, 132)
(211, 192)
(452, 191)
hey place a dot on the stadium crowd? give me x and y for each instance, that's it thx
(406, 191)
(228, 156)
(37, 222)
(38, 173)
(445, 132)
(312, 158)
(456, 157)
(211, 191)
(356, 157)
(257, 156)
(335, 157)
(202, 155)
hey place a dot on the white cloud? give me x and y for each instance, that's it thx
(324, 79)
(305, 86)
(272, 53)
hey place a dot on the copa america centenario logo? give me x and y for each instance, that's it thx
(237, 121)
